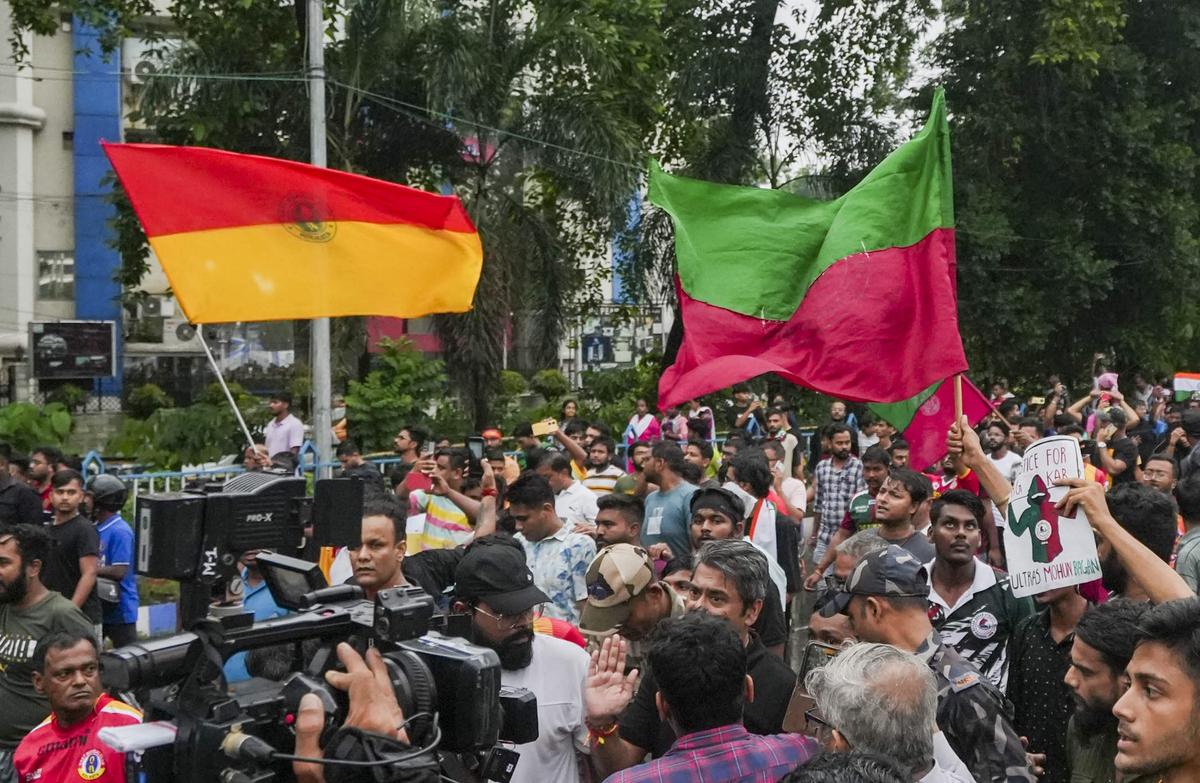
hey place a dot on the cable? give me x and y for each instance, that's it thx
(433, 743)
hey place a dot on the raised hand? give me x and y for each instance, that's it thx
(609, 689)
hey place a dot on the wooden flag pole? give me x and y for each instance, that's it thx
(958, 405)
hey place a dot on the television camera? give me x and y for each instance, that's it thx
(448, 689)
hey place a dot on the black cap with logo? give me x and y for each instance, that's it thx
(499, 576)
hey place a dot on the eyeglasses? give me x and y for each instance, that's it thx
(506, 622)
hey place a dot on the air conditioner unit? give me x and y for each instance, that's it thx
(178, 332)
(157, 307)
(141, 59)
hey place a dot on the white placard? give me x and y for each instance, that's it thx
(1046, 550)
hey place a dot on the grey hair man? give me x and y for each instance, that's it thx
(879, 699)
(836, 630)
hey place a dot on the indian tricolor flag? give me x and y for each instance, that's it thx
(853, 297)
(1186, 384)
(250, 238)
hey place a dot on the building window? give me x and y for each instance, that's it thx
(56, 275)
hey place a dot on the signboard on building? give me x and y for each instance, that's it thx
(72, 349)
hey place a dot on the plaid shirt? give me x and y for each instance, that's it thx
(726, 754)
(835, 488)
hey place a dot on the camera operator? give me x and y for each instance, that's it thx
(66, 745)
(495, 586)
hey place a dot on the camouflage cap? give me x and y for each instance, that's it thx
(617, 575)
(893, 572)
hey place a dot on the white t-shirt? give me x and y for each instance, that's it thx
(556, 677)
(576, 504)
(283, 435)
(1007, 465)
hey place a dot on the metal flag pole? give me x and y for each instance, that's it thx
(322, 387)
(221, 380)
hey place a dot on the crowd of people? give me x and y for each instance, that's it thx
(646, 592)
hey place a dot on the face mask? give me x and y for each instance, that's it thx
(338, 413)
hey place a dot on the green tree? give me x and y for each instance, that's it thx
(1076, 135)
(398, 391)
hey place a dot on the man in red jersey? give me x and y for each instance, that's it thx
(65, 747)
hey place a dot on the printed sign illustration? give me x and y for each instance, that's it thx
(1046, 549)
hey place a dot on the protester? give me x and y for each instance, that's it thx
(409, 443)
(29, 612)
(493, 584)
(19, 504)
(107, 495)
(44, 462)
(838, 479)
(1187, 551)
(860, 514)
(879, 699)
(700, 453)
(750, 477)
(1186, 443)
(255, 458)
(730, 581)
(643, 425)
(746, 412)
(792, 491)
(972, 605)
(667, 509)
(899, 452)
(701, 416)
(558, 557)
(283, 432)
(603, 473)
(574, 503)
(66, 745)
(1159, 712)
(1103, 646)
(355, 467)
(449, 514)
(704, 687)
(897, 506)
(73, 562)
(1115, 453)
(779, 429)
(887, 601)
(619, 520)
(634, 482)
(996, 445)
(1039, 654)
(836, 630)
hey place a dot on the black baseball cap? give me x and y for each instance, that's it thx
(892, 572)
(498, 575)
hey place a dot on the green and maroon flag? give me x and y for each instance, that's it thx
(853, 297)
(925, 419)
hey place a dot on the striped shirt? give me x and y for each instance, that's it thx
(446, 525)
(726, 754)
(602, 482)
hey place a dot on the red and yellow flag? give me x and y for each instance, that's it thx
(249, 238)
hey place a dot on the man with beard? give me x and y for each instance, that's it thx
(972, 604)
(996, 445)
(602, 474)
(1039, 655)
(1104, 644)
(1147, 516)
(66, 745)
(838, 479)
(619, 520)
(635, 483)
(1159, 714)
(495, 586)
(667, 510)
(409, 443)
(861, 513)
(28, 613)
